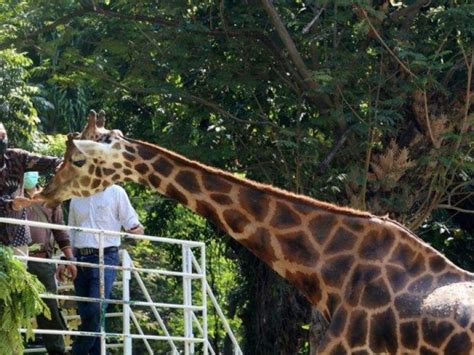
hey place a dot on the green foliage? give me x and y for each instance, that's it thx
(385, 127)
(19, 302)
(17, 111)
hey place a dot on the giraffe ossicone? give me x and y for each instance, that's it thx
(381, 288)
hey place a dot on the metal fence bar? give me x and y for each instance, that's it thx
(189, 243)
(219, 312)
(187, 295)
(116, 335)
(102, 304)
(187, 274)
(126, 276)
(153, 309)
(112, 267)
(131, 303)
(139, 328)
(198, 325)
(203, 293)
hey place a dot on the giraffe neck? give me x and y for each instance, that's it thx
(327, 252)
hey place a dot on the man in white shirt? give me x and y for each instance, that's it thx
(107, 210)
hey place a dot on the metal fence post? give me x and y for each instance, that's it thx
(187, 295)
(126, 277)
(204, 298)
(103, 305)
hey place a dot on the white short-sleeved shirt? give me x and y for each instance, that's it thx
(107, 210)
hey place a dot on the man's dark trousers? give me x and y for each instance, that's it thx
(87, 284)
(45, 273)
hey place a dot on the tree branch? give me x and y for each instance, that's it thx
(289, 44)
(61, 21)
(409, 10)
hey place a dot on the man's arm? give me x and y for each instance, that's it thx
(138, 229)
(127, 214)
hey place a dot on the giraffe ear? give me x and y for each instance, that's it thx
(88, 148)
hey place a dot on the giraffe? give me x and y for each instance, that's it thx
(380, 287)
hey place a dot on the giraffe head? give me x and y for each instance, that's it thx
(91, 162)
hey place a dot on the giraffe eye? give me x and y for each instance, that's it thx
(79, 163)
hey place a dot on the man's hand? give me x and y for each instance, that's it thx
(21, 202)
(64, 272)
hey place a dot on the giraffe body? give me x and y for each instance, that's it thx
(381, 288)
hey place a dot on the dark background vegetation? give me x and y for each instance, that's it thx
(363, 104)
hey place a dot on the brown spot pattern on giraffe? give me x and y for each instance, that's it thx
(155, 181)
(130, 149)
(376, 244)
(284, 217)
(95, 184)
(358, 328)
(208, 211)
(412, 262)
(259, 243)
(221, 199)
(146, 152)
(409, 335)
(117, 165)
(339, 349)
(421, 284)
(297, 249)
(343, 240)
(376, 294)
(361, 276)
(254, 202)
(128, 156)
(383, 332)
(338, 322)
(91, 169)
(214, 183)
(408, 305)
(425, 351)
(334, 271)
(173, 193)
(142, 168)
(434, 333)
(162, 166)
(308, 283)
(460, 344)
(321, 227)
(397, 277)
(85, 181)
(448, 277)
(236, 220)
(188, 181)
(107, 171)
(437, 263)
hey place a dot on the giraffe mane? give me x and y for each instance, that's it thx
(251, 183)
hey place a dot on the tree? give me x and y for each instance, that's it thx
(362, 104)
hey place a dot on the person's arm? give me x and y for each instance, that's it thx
(5, 205)
(61, 237)
(64, 242)
(72, 222)
(127, 215)
(41, 163)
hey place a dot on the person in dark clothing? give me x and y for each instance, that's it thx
(13, 164)
(42, 247)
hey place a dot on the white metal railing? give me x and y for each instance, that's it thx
(194, 315)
